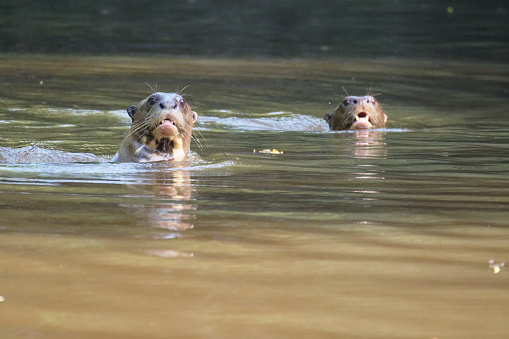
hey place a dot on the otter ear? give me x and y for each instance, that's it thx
(131, 110)
(327, 117)
(195, 116)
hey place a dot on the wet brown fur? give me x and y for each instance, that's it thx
(346, 114)
(145, 141)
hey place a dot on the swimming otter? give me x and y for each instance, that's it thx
(357, 113)
(161, 130)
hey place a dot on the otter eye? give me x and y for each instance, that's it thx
(152, 101)
(182, 102)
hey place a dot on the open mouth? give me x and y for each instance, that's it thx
(362, 120)
(167, 128)
(361, 115)
(167, 121)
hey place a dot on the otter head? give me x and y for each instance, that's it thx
(357, 113)
(163, 122)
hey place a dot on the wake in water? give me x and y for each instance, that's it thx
(38, 155)
(59, 166)
(276, 121)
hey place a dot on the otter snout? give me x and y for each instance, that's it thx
(357, 113)
(361, 120)
(168, 104)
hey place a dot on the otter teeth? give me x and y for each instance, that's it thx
(362, 115)
(169, 120)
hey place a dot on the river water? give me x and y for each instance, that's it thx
(380, 234)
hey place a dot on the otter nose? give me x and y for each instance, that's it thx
(168, 104)
(370, 100)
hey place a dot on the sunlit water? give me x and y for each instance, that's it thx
(385, 233)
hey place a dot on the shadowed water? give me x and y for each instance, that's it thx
(384, 234)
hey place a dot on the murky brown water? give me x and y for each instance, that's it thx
(382, 234)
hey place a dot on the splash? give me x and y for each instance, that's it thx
(38, 155)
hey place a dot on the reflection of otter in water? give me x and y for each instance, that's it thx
(357, 113)
(168, 202)
(369, 144)
(369, 147)
(161, 130)
(168, 208)
(176, 192)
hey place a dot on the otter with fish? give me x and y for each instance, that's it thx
(357, 113)
(161, 130)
